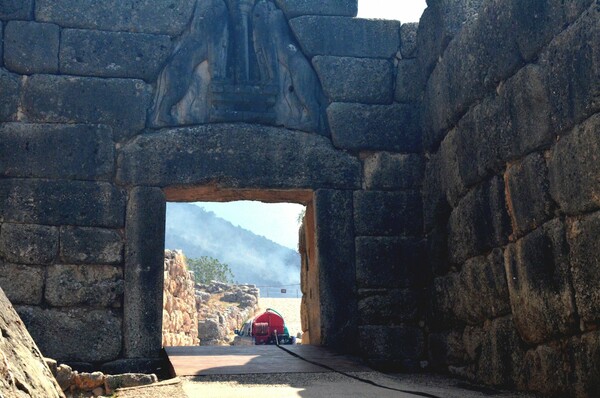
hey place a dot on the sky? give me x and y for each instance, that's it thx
(278, 222)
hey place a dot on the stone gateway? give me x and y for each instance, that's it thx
(449, 170)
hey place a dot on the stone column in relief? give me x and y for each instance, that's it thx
(144, 256)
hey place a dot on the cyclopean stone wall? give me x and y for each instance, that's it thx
(510, 129)
(451, 167)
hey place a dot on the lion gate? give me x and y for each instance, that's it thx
(450, 170)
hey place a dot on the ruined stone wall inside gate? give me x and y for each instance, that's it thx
(86, 166)
(511, 135)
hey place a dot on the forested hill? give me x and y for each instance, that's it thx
(253, 259)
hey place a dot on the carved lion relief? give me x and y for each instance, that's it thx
(237, 61)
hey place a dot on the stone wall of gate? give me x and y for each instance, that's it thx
(93, 141)
(510, 130)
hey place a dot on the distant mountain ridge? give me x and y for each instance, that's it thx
(252, 258)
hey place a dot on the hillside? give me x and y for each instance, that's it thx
(253, 259)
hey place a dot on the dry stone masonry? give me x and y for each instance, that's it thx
(449, 168)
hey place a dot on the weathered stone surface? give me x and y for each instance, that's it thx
(445, 349)
(543, 371)
(382, 306)
(480, 222)
(90, 246)
(79, 203)
(390, 171)
(379, 213)
(23, 284)
(31, 47)
(23, 370)
(126, 380)
(392, 346)
(408, 40)
(477, 293)
(2, 41)
(334, 231)
(9, 95)
(221, 154)
(440, 22)
(144, 254)
(390, 262)
(409, 81)
(76, 334)
(120, 103)
(539, 283)
(574, 169)
(374, 127)
(84, 285)
(16, 9)
(368, 81)
(145, 365)
(28, 244)
(113, 54)
(354, 37)
(148, 16)
(502, 352)
(571, 70)
(38, 151)
(583, 235)
(527, 194)
(296, 8)
(585, 353)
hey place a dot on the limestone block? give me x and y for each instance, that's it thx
(346, 79)
(445, 349)
(378, 213)
(385, 306)
(296, 8)
(84, 285)
(28, 244)
(16, 9)
(390, 171)
(539, 283)
(128, 380)
(146, 16)
(31, 47)
(528, 195)
(409, 81)
(374, 127)
(23, 284)
(144, 256)
(347, 37)
(571, 71)
(402, 346)
(479, 223)
(583, 235)
(23, 367)
(334, 232)
(144, 365)
(1, 43)
(574, 169)
(77, 203)
(113, 54)
(120, 103)
(408, 40)
(501, 357)
(75, 334)
(9, 96)
(390, 262)
(90, 246)
(585, 351)
(38, 151)
(221, 154)
(543, 371)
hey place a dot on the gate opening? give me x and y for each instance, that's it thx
(247, 252)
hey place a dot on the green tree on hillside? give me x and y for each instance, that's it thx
(207, 269)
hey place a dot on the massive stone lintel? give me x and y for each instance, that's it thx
(238, 62)
(237, 156)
